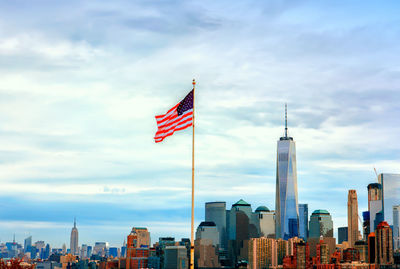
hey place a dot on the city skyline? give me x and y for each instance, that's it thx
(79, 94)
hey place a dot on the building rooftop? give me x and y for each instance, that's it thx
(207, 223)
(262, 209)
(320, 211)
(241, 202)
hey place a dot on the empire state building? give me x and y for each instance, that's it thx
(74, 240)
(286, 205)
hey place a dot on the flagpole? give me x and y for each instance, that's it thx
(192, 228)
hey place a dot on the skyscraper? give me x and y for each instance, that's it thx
(375, 205)
(74, 240)
(391, 194)
(216, 212)
(28, 244)
(396, 226)
(321, 224)
(352, 217)
(303, 221)
(342, 234)
(287, 212)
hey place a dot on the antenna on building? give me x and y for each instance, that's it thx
(74, 222)
(285, 120)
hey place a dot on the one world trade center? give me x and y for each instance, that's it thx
(286, 207)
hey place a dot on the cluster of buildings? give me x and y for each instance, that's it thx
(240, 237)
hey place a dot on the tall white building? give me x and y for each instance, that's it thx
(74, 240)
(396, 226)
(287, 211)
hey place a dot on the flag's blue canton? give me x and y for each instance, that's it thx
(186, 104)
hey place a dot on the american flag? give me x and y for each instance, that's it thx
(177, 118)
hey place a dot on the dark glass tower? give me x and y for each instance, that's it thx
(287, 211)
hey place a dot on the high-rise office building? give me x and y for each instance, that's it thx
(383, 244)
(396, 226)
(208, 230)
(216, 212)
(352, 217)
(342, 234)
(28, 244)
(143, 237)
(391, 194)
(287, 212)
(74, 246)
(321, 224)
(303, 221)
(375, 205)
(264, 219)
(137, 252)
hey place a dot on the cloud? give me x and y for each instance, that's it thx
(79, 91)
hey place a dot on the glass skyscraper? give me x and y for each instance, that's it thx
(321, 224)
(287, 211)
(303, 221)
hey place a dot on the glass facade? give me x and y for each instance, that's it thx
(303, 221)
(321, 224)
(342, 234)
(287, 212)
(216, 212)
(391, 194)
(396, 227)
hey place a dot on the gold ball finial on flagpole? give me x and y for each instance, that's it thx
(194, 82)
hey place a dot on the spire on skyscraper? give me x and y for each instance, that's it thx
(285, 120)
(74, 222)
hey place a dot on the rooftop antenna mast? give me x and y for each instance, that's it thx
(286, 120)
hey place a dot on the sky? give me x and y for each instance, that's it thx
(81, 82)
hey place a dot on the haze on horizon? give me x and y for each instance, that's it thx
(81, 82)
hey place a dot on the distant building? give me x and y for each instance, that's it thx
(371, 248)
(113, 252)
(175, 257)
(216, 212)
(208, 230)
(391, 194)
(352, 217)
(137, 254)
(263, 253)
(342, 234)
(321, 224)
(383, 244)
(396, 227)
(375, 205)
(303, 221)
(322, 253)
(282, 250)
(205, 254)
(100, 248)
(264, 219)
(366, 225)
(240, 229)
(28, 244)
(362, 247)
(286, 211)
(74, 246)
